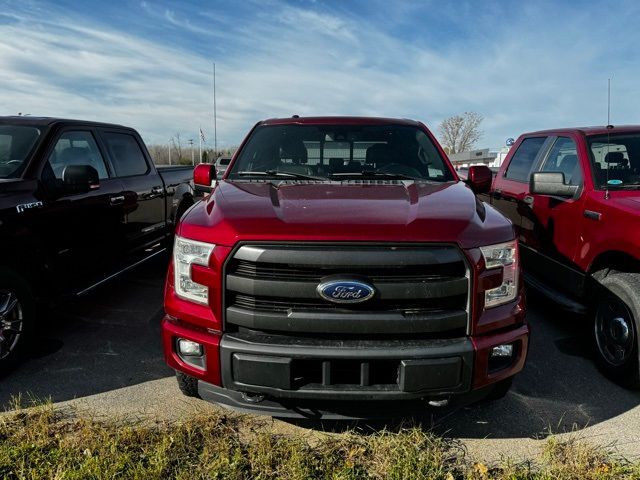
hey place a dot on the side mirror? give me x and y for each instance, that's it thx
(80, 178)
(551, 183)
(203, 176)
(479, 178)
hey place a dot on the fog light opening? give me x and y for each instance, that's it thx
(188, 348)
(502, 351)
(191, 353)
(502, 356)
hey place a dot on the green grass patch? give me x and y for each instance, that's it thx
(42, 443)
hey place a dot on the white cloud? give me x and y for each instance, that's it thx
(526, 72)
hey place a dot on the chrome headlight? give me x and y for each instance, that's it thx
(187, 253)
(505, 256)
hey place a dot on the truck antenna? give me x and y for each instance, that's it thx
(609, 102)
(609, 127)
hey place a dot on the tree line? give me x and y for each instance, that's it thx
(180, 152)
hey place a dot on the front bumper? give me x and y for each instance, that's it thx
(325, 410)
(309, 377)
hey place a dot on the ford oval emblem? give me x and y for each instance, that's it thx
(345, 291)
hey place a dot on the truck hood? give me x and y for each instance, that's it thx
(388, 211)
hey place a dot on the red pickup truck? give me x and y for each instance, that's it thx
(574, 196)
(341, 269)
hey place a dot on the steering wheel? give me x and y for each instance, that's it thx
(400, 169)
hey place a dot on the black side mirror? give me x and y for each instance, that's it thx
(80, 178)
(551, 183)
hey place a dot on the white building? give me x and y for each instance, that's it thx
(479, 157)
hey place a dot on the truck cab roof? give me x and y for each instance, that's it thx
(338, 120)
(595, 130)
(50, 121)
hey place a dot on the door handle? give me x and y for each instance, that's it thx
(591, 215)
(115, 200)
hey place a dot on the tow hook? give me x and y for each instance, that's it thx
(252, 397)
(442, 402)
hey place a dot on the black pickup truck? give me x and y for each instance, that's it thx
(80, 202)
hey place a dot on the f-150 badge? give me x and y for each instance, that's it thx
(27, 206)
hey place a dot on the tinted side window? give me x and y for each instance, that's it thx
(74, 148)
(126, 154)
(522, 161)
(563, 157)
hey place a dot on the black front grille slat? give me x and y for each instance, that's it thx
(419, 289)
(272, 304)
(439, 272)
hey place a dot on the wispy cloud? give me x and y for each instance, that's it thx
(522, 67)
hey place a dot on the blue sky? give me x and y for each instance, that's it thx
(148, 64)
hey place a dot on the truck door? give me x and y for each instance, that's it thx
(511, 185)
(550, 226)
(144, 194)
(83, 230)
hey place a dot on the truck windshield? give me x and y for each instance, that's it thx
(339, 152)
(615, 160)
(16, 142)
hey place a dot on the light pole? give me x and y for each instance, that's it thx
(191, 143)
(169, 151)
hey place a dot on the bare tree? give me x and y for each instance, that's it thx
(460, 133)
(177, 145)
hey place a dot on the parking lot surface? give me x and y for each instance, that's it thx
(102, 353)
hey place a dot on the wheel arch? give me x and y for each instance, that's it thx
(28, 265)
(182, 200)
(616, 260)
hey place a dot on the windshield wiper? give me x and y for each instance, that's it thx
(276, 173)
(374, 174)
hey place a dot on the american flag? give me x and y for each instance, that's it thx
(202, 135)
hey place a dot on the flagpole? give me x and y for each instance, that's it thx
(200, 145)
(215, 116)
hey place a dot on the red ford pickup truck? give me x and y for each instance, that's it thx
(341, 269)
(574, 196)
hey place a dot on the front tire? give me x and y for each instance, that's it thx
(188, 385)
(616, 317)
(499, 390)
(17, 319)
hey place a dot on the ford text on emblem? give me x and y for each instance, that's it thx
(345, 291)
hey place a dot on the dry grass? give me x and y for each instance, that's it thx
(42, 442)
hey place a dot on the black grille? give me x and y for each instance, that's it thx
(411, 273)
(419, 289)
(321, 374)
(408, 307)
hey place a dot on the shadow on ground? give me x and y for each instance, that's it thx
(105, 340)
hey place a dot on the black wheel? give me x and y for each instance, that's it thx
(17, 318)
(615, 327)
(499, 390)
(187, 385)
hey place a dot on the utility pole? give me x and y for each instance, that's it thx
(169, 151)
(191, 143)
(215, 117)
